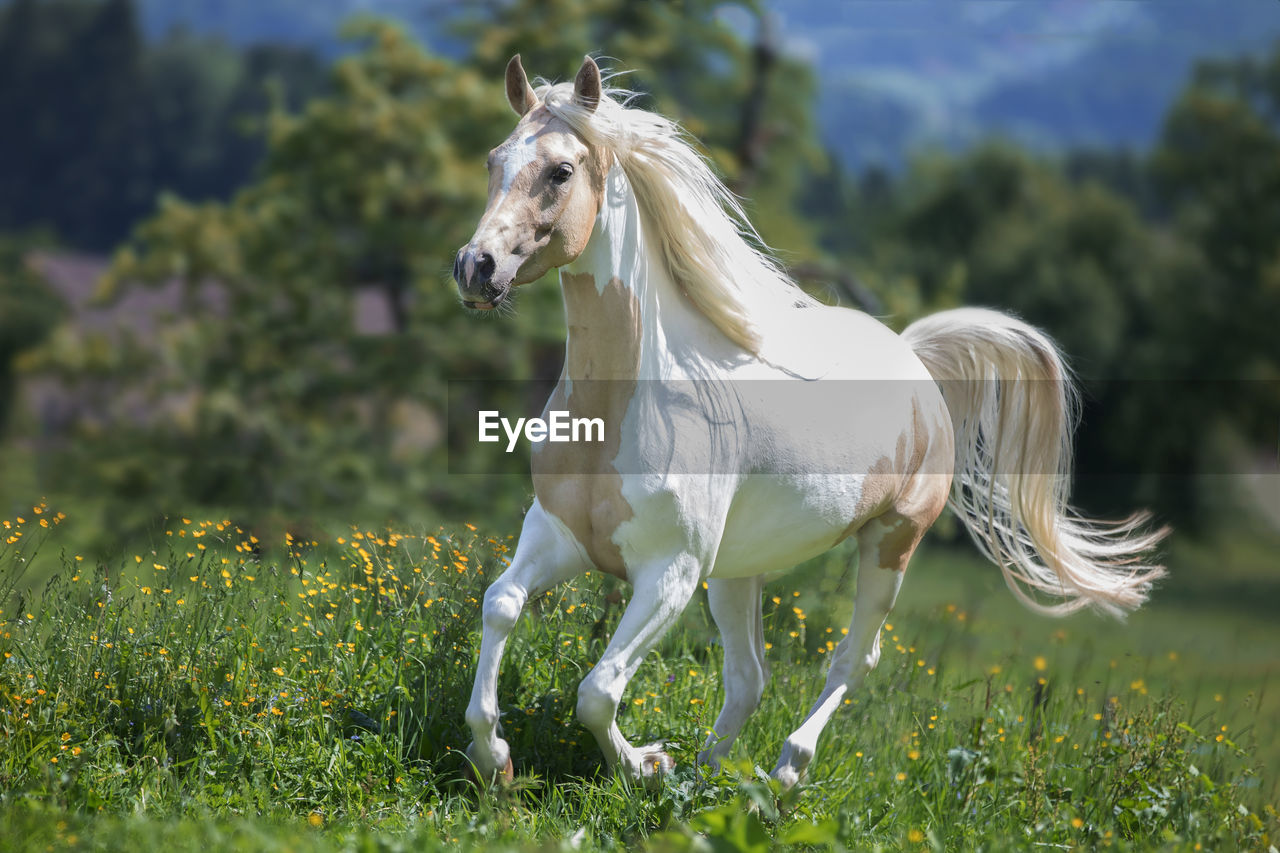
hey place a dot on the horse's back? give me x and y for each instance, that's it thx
(830, 342)
(865, 433)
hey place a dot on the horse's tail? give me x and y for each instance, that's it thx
(1014, 406)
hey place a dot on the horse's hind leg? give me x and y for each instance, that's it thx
(735, 605)
(542, 560)
(885, 546)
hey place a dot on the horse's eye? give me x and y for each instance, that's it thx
(561, 173)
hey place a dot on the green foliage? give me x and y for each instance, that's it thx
(79, 121)
(29, 310)
(309, 694)
(1134, 305)
(1218, 167)
(99, 123)
(265, 393)
(1156, 274)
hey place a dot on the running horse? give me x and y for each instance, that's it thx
(749, 427)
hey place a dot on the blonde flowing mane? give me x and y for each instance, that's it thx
(708, 246)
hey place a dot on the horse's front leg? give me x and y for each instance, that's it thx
(545, 556)
(660, 594)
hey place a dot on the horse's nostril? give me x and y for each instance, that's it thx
(473, 269)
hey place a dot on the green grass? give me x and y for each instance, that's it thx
(222, 693)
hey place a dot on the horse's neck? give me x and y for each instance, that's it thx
(626, 318)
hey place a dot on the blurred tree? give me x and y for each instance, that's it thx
(1218, 166)
(29, 310)
(1013, 233)
(999, 229)
(1124, 171)
(265, 393)
(57, 114)
(207, 106)
(1159, 275)
(94, 115)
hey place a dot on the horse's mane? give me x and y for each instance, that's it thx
(709, 248)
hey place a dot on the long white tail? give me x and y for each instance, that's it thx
(1014, 407)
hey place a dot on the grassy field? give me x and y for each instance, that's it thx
(219, 692)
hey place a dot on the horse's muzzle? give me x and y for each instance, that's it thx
(473, 271)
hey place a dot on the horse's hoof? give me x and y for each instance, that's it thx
(506, 774)
(654, 763)
(787, 776)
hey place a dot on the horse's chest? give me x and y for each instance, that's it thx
(590, 505)
(577, 482)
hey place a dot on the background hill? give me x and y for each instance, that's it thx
(892, 74)
(1054, 75)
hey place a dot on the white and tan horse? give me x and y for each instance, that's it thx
(688, 342)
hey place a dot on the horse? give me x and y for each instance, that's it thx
(686, 337)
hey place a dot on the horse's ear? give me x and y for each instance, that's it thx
(519, 93)
(587, 85)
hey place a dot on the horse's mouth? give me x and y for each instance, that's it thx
(493, 303)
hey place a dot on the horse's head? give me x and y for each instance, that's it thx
(545, 189)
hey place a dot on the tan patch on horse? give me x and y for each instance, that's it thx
(907, 493)
(577, 483)
(877, 492)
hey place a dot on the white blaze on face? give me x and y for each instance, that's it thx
(517, 157)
